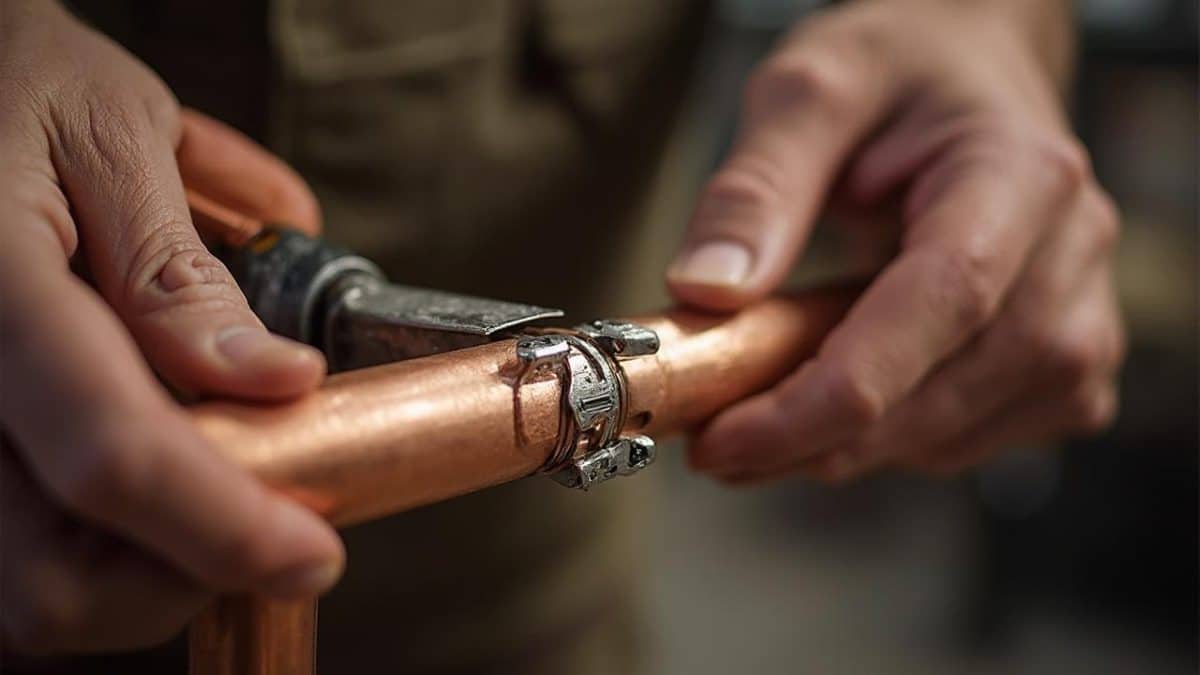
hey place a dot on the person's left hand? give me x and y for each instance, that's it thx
(995, 323)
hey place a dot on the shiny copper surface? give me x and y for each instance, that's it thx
(244, 635)
(219, 223)
(381, 440)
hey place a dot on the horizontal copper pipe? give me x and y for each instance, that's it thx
(381, 440)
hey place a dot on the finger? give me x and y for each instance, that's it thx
(1088, 409)
(70, 589)
(899, 152)
(803, 112)
(1067, 358)
(1084, 401)
(106, 442)
(834, 467)
(974, 218)
(1068, 368)
(117, 167)
(1058, 328)
(227, 167)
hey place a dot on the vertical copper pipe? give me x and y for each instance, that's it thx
(245, 635)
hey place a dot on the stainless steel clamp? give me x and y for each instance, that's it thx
(342, 304)
(595, 399)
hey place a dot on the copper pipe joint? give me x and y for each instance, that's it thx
(381, 440)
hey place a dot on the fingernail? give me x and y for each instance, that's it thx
(304, 580)
(716, 263)
(245, 346)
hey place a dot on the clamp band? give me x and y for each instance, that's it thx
(594, 401)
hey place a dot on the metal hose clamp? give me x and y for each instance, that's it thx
(594, 401)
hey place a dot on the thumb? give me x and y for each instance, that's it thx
(181, 305)
(804, 110)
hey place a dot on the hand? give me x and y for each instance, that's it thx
(996, 321)
(118, 518)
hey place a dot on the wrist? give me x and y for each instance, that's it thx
(1046, 28)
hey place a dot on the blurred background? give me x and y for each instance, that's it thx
(1080, 561)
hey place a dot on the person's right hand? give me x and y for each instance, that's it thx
(118, 519)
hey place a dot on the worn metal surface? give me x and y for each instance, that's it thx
(304, 288)
(621, 458)
(369, 321)
(443, 311)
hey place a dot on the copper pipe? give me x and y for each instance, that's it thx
(219, 223)
(245, 635)
(385, 439)
(242, 634)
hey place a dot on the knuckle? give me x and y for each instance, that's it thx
(963, 284)
(1067, 358)
(143, 99)
(798, 82)
(175, 272)
(1073, 360)
(853, 397)
(997, 141)
(751, 183)
(992, 134)
(162, 109)
(1065, 161)
(868, 36)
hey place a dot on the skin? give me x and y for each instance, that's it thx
(936, 131)
(119, 521)
(995, 322)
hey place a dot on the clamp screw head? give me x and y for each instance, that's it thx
(538, 350)
(620, 338)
